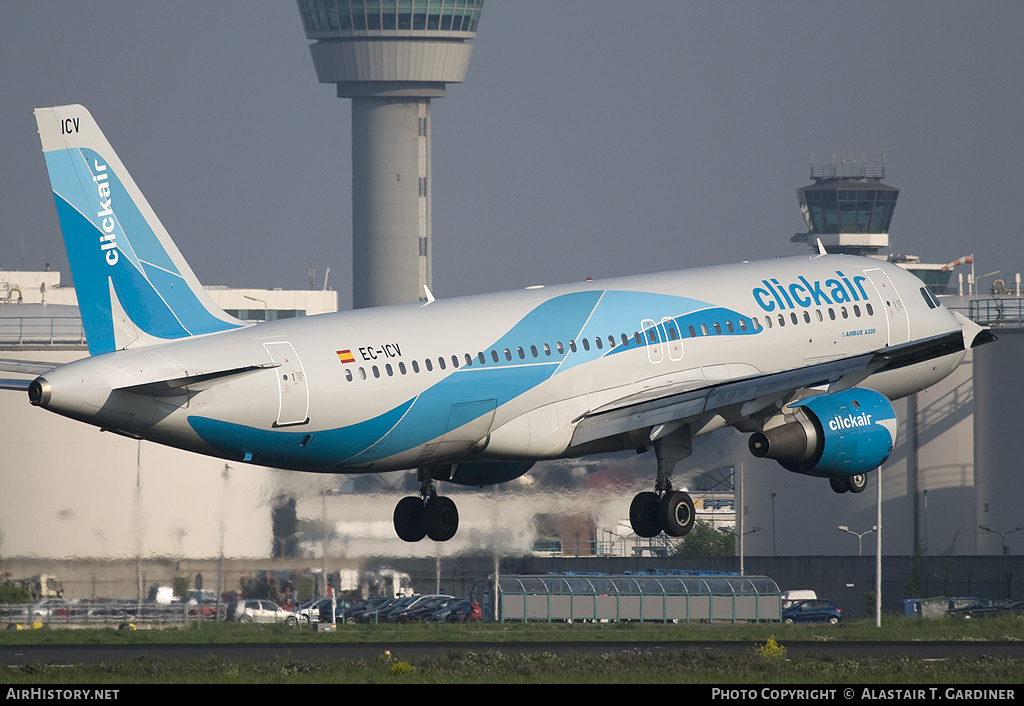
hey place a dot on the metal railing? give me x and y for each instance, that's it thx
(23, 330)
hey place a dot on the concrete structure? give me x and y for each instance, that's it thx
(391, 58)
(848, 208)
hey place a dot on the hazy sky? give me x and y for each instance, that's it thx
(591, 137)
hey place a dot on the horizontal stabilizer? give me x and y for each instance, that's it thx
(10, 384)
(27, 367)
(171, 385)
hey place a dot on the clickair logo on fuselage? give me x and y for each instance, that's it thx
(803, 294)
(108, 241)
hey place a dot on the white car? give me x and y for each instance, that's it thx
(254, 610)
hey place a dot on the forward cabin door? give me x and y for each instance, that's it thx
(895, 312)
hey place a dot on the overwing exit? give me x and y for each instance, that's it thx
(804, 354)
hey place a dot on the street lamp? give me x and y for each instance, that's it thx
(859, 535)
(265, 308)
(1002, 535)
(740, 537)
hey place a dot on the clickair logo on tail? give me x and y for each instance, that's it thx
(803, 294)
(108, 241)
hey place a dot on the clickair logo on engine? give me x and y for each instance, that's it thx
(803, 294)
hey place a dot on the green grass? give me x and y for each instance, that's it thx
(766, 662)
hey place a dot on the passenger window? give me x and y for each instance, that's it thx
(362, 374)
(389, 369)
(586, 344)
(693, 333)
(547, 349)
(867, 308)
(856, 310)
(401, 368)
(376, 372)
(440, 363)
(832, 314)
(494, 356)
(598, 342)
(521, 352)
(718, 327)
(533, 351)
(430, 366)
(481, 357)
(754, 324)
(415, 367)
(768, 321)
(807, 317)
(572, 346)
(560, 347)
(625, 340)
(469, 360)
(636, 337)
(817, 312)
(611, 341)
(782, 320)
(844, 312)
(792, 317)
(455, 361)
(703, 329)
(508, 354)
(348, 374)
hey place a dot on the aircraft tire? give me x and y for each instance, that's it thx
(857, 484)
(643, 515)
(676, 513)
(408, 519)
(441, 518)
(838, 485)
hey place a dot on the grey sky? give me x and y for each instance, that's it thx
(591, 138)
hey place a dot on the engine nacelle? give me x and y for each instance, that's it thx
(831, 436)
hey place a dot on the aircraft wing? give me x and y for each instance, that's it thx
(26, 367)
(749, 395)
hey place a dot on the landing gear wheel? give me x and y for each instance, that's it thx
(838, 485)
(643, 515)
(676, 513)
(857, 484)
(409, 519)
(441, 518)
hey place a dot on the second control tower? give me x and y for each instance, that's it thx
(390, 57)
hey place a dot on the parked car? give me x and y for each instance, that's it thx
(374, 609)
(412, 603)
(988, 608)
(457, 612)
(310, 611)
(254, 610)
(815, 611)
(421, 610)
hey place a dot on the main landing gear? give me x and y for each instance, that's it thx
(671, 512)
(853, 484)
(665, 510)
(426, 515)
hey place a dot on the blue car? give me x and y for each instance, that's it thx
(813, 611)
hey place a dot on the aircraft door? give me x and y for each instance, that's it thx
(895, 312)
(673, 339)
(653, 341)
(293, 393)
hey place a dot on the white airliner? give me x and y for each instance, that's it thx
(804, 353)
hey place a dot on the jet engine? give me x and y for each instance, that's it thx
(830, 436)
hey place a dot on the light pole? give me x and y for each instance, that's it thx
(739, 536)
(858, 535)
(1002, 535)
(773, 523)
(265, 308)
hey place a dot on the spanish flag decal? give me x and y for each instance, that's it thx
(346, 356)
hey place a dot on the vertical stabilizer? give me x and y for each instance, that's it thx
(134, 288)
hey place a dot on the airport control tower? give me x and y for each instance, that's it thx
(848, 208)
(390, 57)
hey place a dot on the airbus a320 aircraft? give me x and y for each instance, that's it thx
(804, 353)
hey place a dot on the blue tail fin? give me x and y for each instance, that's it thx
(134, 288)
